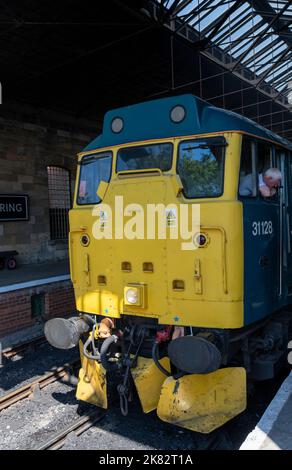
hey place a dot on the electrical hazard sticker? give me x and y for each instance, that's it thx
(171, 217)
(103, 219)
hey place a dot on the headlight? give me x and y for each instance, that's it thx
(177, 113)
(117, 125)
(132, 296)
(135, 295)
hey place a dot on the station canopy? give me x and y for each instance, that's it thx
(252, 38)
(84, 58)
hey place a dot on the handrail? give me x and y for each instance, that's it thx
(224, 240)
(141, 172)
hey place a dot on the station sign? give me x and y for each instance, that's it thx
(13, 207)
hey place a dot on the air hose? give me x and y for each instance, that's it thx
(108, 366)
(96, 356)
(155, 358)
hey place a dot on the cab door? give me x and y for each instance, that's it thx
(283, 222)
(286, 166)
(261, 233)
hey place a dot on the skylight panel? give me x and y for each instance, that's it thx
(244, 35)
(189, 7)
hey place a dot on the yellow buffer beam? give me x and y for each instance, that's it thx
(148, 381)
(203, 403)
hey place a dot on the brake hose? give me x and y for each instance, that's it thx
(156, 359)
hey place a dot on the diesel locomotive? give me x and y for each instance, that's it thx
(191, 323)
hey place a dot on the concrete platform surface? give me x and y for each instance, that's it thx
(32, 272)
(22, 336)
(274, 430)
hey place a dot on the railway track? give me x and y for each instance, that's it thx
(78, 427)
(29, 389)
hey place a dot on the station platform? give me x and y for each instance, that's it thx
(31, 274)
(31, 294)
(274, 430)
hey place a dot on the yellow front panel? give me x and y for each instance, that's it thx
(202, 287)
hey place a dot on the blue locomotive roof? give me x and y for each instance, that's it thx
(151, 120)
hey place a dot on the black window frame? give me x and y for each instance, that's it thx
(90, 155)
(254, 142)
(146, 145)
(272, 152)
(223, 166)
(288, 189)
(274, 199)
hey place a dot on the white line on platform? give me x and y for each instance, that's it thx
(263, 436)
(34, 283)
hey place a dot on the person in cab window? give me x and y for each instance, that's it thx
(268, 183)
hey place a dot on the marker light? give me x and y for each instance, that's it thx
(177, 114)
(85, 240)
(117, 125)
(200, 240)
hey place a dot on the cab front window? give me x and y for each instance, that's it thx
(201, 167)
(143, 157)
(94, 168)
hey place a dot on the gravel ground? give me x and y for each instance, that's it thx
(140, 431)
(30, 422)
(31, 364)
(33, 421)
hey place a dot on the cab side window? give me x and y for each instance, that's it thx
(289, 167)
(264, 156)
(247, 175)
(264, 162)
(288, 188)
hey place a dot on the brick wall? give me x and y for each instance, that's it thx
(15, 306)
(26, 149)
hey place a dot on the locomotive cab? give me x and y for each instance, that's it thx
(180, 281)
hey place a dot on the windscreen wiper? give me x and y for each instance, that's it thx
(86, 161)
(213, 144)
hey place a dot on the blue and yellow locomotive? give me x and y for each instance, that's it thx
(187, 322)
